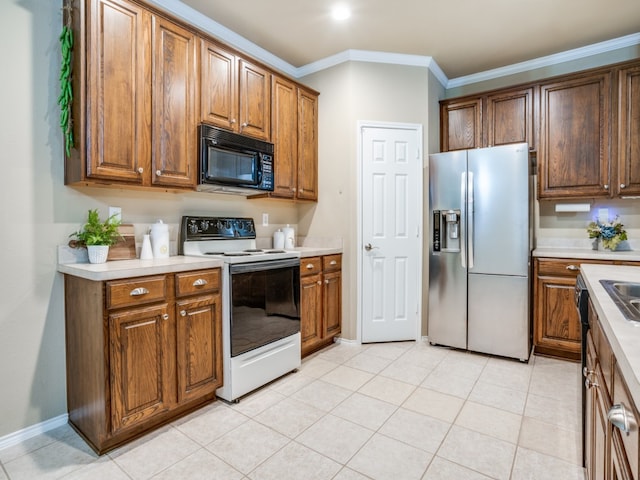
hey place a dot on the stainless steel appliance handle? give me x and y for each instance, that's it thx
(622, 418)
(463, 214)
(470, 200)
(264, 265)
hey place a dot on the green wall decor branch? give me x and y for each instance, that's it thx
(66, 89)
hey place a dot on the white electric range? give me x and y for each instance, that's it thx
(260, 301)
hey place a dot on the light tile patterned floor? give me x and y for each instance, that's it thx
(383, 411)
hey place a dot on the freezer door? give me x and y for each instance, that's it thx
(499, 315)
(498, 204)
(447, 312)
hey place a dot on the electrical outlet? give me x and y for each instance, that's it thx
(265, 219)
(117, 211)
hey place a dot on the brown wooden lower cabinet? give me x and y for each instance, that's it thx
(610, 452)
(140, 351)
(320, 301)
(556, 325)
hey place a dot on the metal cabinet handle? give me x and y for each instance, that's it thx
(233, 120)
(622, 185)
(586, 372)
(326, 282)
(200, 282)
(622, 418)
(183, 313)
(309, 266)
(140, 169)
(573, 268)
(606, 186)
(138, 291)
(165, 316)
(244, 124)
(301, 190)
(293, 189)
(319, 282)
(333, 262)
(159, 173)
(590, 383)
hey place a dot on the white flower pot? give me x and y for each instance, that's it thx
(98, 253)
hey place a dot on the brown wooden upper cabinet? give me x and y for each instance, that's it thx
(294, 127)
(628, 132)
(461, 124)
(575, 137)
(499, 118)
(235, 92)
(123, 131)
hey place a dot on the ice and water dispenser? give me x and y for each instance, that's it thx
(446, 230)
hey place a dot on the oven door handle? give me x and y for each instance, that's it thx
(263, 265)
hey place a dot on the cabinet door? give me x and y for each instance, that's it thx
(141, 364)
(556, 328)
(307, 145)
(620, 469)
(509, 118)
(219, 96)
(255, 101)
(284, 132)
(600, 426)
(118, 91)
(461, 124)
(574, 156)
(629, 132)
(199, 347)
(174, 148)
(332, 304)
(310, 311)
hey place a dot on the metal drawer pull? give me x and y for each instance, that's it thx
(138, 291)
(621, 418)
(590, 383)
(326, 281)
(183, 313)
(319, 282)
(333, 262)
(309, 266)
(165, 316)
(586, 372)
(573, 268)
(200, 282)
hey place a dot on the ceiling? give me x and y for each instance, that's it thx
(462, 36)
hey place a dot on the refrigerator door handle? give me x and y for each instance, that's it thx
(470, 217)
(463, 215)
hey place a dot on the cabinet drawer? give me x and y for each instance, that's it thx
(203, 281)
(135, 291)
(565, 267)
(331, 263)
(310, 265)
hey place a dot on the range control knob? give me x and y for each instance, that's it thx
(204, 225)
(193, 227)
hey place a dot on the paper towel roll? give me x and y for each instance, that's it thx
(278, 239)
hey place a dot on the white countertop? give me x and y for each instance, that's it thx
(117, 269)
(587, 253)
(622, 334)
(316, 251)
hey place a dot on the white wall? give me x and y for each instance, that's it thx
(38, 213)
(351, 92)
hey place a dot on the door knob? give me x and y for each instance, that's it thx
(368, 247)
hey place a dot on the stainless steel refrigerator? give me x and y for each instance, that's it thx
(480, 245)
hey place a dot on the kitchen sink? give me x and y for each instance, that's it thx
(626, 296)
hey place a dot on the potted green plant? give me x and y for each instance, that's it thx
(98, 236)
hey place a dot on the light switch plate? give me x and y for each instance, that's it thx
(265, 219)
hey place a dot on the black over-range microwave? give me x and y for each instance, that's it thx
(233, 163)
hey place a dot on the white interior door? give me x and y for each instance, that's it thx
(391, 215)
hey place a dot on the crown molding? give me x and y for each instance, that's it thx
(549, 60)
(180, 10)
(374, 57)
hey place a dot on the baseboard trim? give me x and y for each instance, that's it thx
(29, 432)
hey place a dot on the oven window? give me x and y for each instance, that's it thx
(265, 307)
(228, 166)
